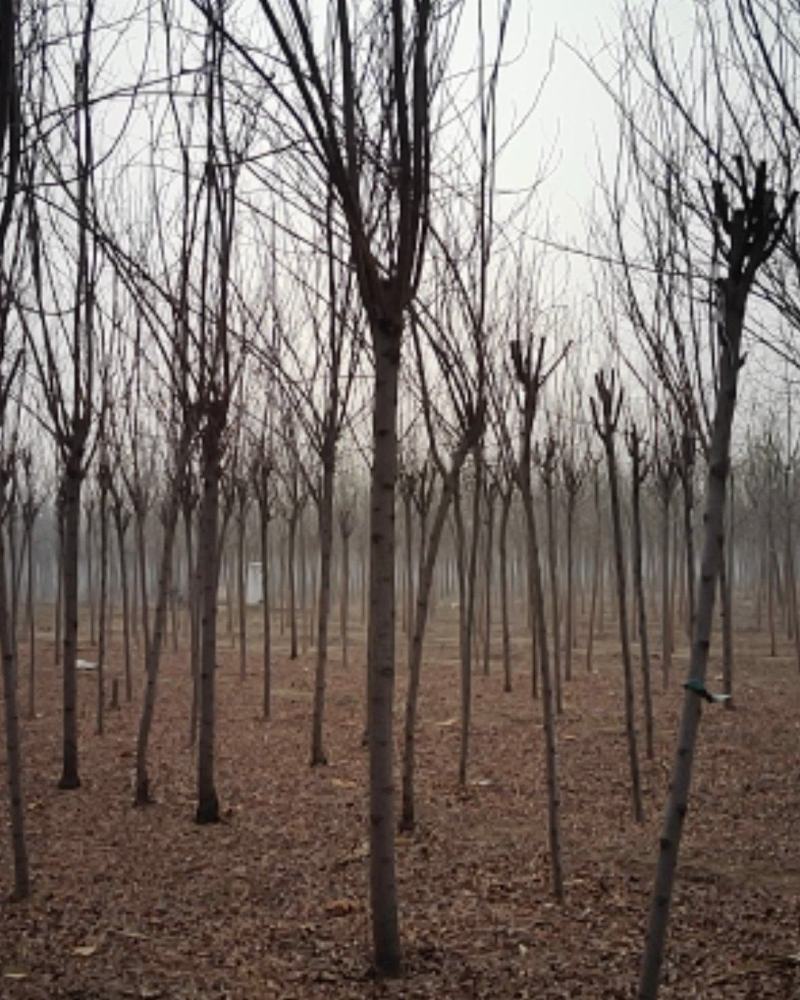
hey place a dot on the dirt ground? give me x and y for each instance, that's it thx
(272, 901)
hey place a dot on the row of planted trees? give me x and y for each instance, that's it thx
(315, 262)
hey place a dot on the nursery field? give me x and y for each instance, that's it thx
(272, 902)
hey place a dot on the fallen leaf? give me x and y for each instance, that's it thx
(340, 907)
(85, 950)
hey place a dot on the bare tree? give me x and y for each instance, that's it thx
(531, 374)
(605, 414)
(10, 358)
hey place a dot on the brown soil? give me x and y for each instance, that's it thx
(272, 902)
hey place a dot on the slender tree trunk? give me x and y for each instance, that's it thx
(752, 231)
(141, 549)
(58, 629)
(153, 649)
(13, 741)
(469, 618)
(266, 701)
(606, 427)
(208, 571)
(666, 591)
(240, 565)
(429, 550)
(318, 755)
(637, 477)
(345, 531)
(536, 595)
(487, 580)
(552, 560)
(569, 625)
(31, 615)
(193, 597)
(596, 570)
(121, 523)
(71, 491)
(292, 580)
(102, 625)
(90, 594)
(505, 510)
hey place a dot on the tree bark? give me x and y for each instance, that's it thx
(12, 741)
(71, 491)
(386, 336)
(209, 557)
(318, 755)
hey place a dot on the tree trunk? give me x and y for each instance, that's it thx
(381, 646)
(153, 649)
(240, 566)
(31, 615)
(505, 510)
(13, 744)
(606, 427)
(569, 624)
(141, 560)
(487, 580)
(292, 581)
(637, 476)
(193, 598)
(345, 531)
(71, 491)
(90, 595)
(318, 755)
(552, 560)
(121, 523)
(208, 572)
(666, 591)
(102, 624)
(429, 551)
(536, 595)
(596, 570)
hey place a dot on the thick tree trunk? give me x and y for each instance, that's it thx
(381, 646)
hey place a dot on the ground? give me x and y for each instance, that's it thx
(272, 902)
